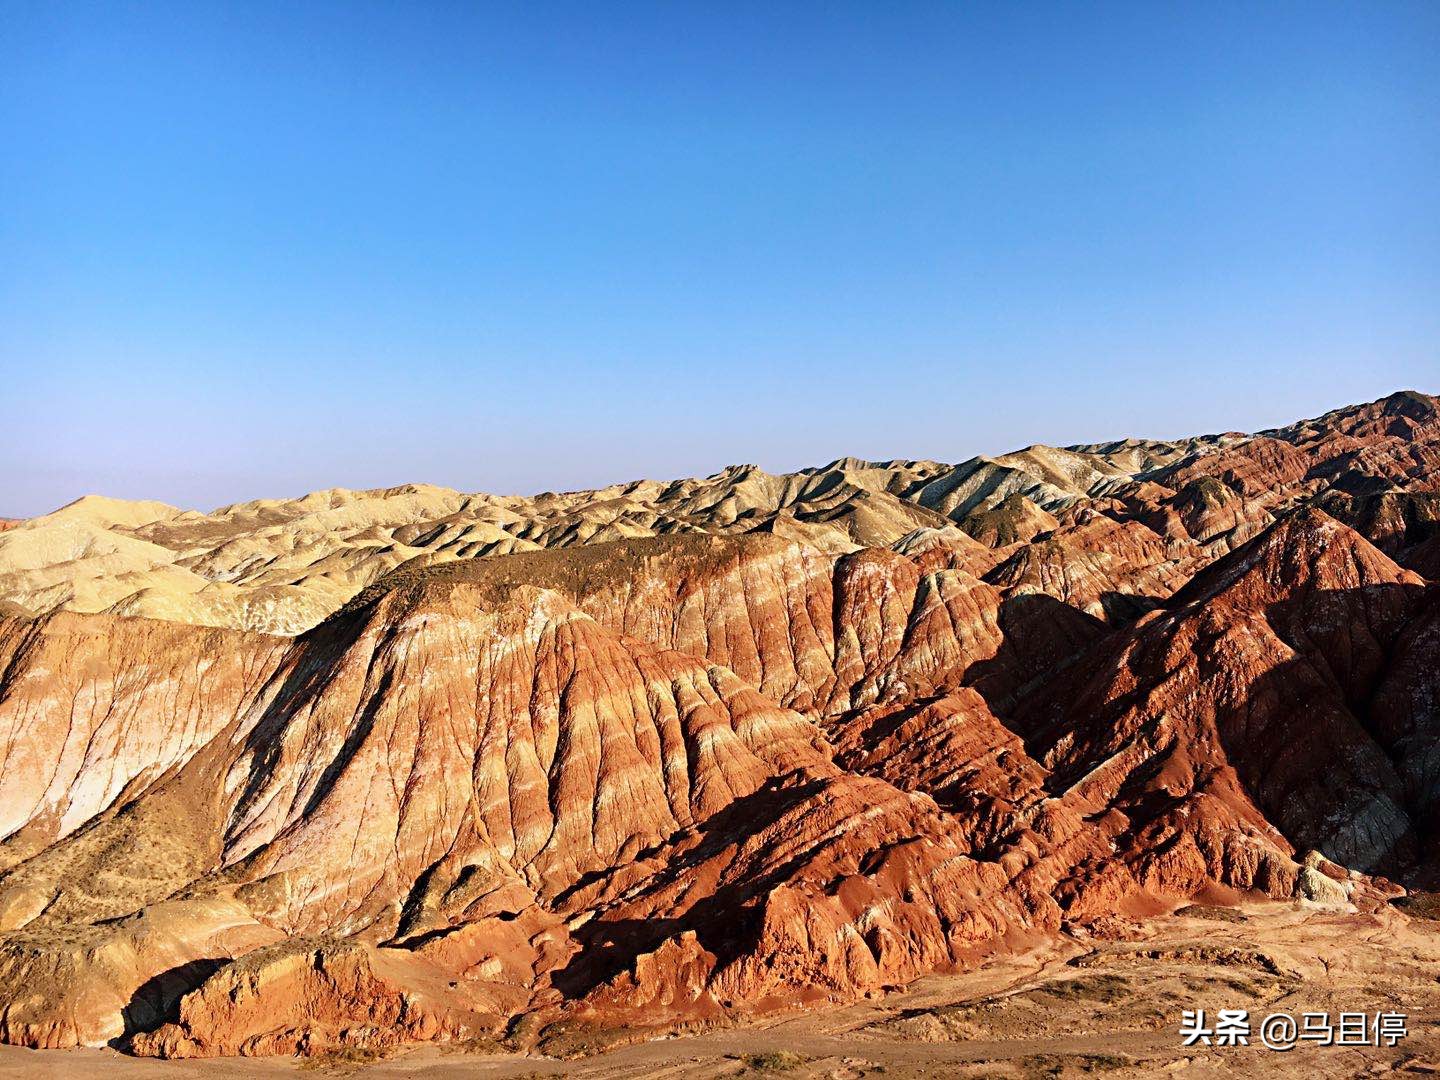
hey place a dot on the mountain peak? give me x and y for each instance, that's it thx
(1305, 550)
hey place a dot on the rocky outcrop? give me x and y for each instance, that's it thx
(89, 983)
(307, 997)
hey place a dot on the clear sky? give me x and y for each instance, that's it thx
(256, 249)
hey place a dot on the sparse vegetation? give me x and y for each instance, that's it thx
(1214, 914)
(1056, 1065)
(571, 1039)
(345, 1058)
(1096, 988)
(478, 1044)
(774, 1061)
(1420, 905)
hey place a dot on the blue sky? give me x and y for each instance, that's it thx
(252, 250)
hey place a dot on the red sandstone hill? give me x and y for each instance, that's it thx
(703, 769)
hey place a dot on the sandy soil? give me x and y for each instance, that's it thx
(1103, 1003)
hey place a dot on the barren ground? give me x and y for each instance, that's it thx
(1104, 1004)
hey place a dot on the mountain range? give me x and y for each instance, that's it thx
(367, 768)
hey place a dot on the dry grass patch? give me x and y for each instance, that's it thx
(345, 1059)
(774, 1061)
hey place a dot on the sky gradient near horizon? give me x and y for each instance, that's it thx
(259, 249)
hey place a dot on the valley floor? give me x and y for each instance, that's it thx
(1108, 1003)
